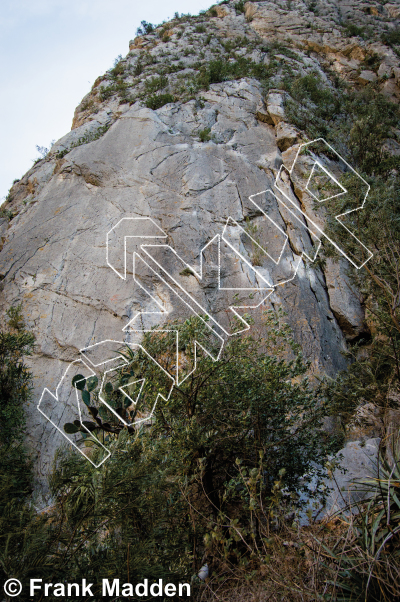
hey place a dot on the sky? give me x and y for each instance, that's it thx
(51, 52)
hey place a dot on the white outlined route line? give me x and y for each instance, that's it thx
(305, 253)
(149, 230)
(192, 300)
(127, 363)
(155, 232)
(257, 244)
(271, 286)
(57, 400)
(337, 217)
(297, 216)
(197, 344)
(331, 176)
(129, 384)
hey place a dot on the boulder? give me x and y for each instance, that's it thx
(367, 77)
(286, 135)
(344, 299)
(393, 10)
(358, 460)
(275, 107)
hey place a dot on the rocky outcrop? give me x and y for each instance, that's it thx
(191, 166)
(356, 462)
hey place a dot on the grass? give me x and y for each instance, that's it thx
(257, 255)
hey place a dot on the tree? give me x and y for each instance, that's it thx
(167, 484)
(23, 536)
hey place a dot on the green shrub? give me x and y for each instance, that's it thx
(351, 29)
(239, 7)
(200, 29)
(225, 429)
(154, 84)
(145, 28)
(88, 137)
(23, 536)
(372, 61)
(15, 378)
(118, 68)
(205, 135)
(374, 370)
(391, 37)
(156, 101)
(138, 69)
(219, 70)
(6, 213)
(164, 35)
(359, 121)
(371, 116)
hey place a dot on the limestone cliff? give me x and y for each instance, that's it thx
(156, 138)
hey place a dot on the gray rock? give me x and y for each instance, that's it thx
(357, 461)
(342, 485)
(367, 77)
(275, 107)
(393, 10)
(149, 164)
(286, 136)
(344, 299)
(152, 164)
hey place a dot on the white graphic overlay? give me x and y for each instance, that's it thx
(136, 247)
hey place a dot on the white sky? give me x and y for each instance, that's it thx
(51, 51)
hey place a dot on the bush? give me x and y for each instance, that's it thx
(205, 135)
(15, 378)
(219, 70)
(239, 7)
(145, 28)
(159, 500)
(391, 37)
(23, 539)
(374, 373)
(117, 70)
(351, 29)
(358, 123)
(88, 137)
(155, 83)
(156, 101)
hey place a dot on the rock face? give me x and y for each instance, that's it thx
(361, 462)
(191, 167)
